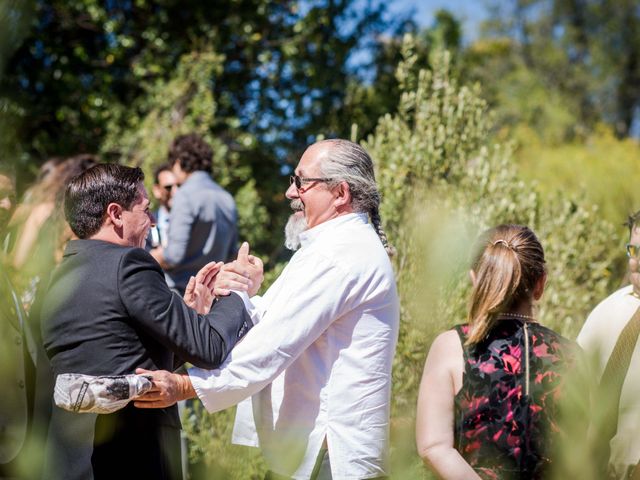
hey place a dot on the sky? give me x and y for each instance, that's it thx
(470, 12)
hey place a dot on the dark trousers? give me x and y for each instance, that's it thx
(125, 444)
(136, 448)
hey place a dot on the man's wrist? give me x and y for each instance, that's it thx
(186, 387)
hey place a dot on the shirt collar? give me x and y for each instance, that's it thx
(195, 176)
(632, 293)
(310, 235)
(76, 246)
(162, 215)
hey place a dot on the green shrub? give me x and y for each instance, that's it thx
(444, 179)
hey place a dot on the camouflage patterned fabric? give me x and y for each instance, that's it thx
(103, 394)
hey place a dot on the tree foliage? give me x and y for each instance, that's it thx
(582, 53)
(284, 63)
(365, 102)
(87, 64)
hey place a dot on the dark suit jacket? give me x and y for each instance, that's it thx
(108, 311)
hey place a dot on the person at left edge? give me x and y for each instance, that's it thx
(109, 311)
(18, 357)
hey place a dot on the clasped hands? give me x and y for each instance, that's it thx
(244, 274)
(217, 279)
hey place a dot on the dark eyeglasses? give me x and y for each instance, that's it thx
(168, 188)
(298, 181)
(633, 251)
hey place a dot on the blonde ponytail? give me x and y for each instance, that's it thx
(507, 266)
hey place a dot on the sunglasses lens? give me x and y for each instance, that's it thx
(295, 179)
(633, 251)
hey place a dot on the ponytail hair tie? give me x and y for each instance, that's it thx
(502, 241)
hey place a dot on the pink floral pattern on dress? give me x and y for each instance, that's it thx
(499, 430)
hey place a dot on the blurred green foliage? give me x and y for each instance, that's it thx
(87, 64)
(562, 80)
(602, 168)
(185, 104)
(528, 123)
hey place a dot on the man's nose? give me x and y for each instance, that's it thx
(292, 192)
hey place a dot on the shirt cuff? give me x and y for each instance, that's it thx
(249, 306)
(199, 380)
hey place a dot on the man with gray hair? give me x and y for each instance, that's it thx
(314, 375)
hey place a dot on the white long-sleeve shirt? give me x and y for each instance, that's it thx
(318, 362)
(599, 336)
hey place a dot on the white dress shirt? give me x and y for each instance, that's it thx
(598, 336)
(162, 222)
(318, 362)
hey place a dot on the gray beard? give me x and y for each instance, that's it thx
(295, 226)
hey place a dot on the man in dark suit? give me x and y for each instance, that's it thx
(109, 311)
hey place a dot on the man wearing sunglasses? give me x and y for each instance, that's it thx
(203, 221)
(314, 376)
(164, 187)
(611, 333)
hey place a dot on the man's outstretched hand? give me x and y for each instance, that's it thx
(199, 293)
(246, 274)
(168, 388)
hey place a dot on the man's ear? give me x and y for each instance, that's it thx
(157, 191)
(343, 194)
(114, 214)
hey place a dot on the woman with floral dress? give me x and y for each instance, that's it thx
(488, 400)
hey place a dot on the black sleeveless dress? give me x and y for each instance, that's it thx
(506, 410)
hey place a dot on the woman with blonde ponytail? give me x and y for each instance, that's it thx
(487, 404)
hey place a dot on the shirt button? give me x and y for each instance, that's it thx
(21, 383)
(18, 341)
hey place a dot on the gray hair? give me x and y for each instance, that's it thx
(349, 162)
